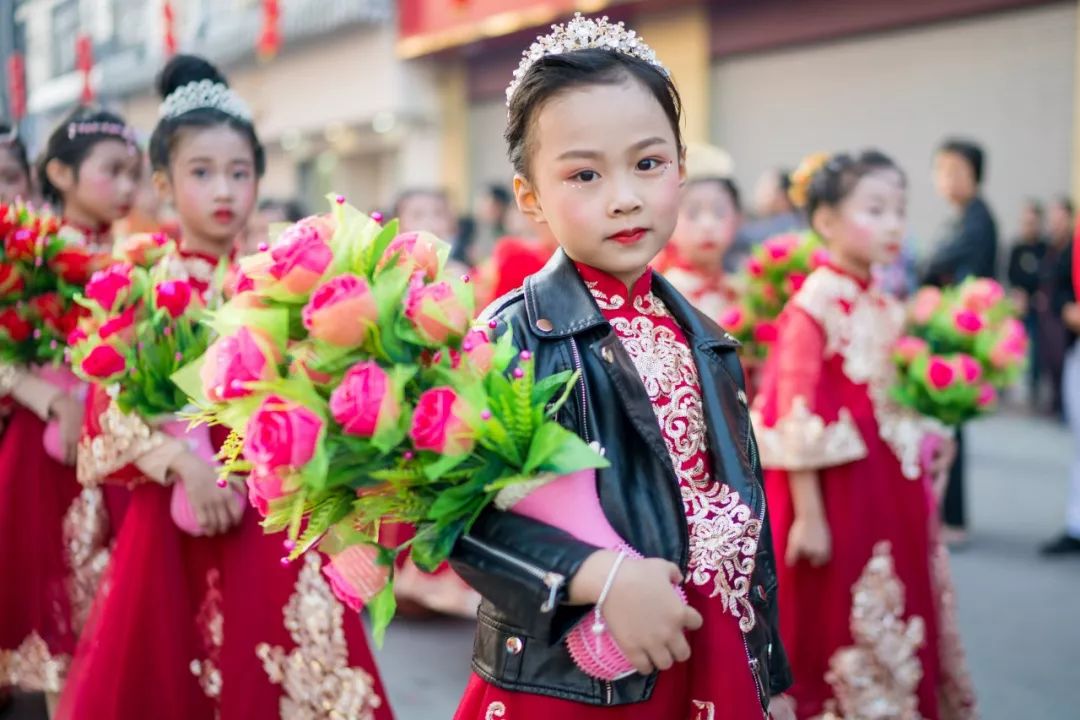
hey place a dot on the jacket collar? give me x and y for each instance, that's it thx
(558, 305)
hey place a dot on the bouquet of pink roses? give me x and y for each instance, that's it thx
(358, 394)
(965, 345)
(775, 272)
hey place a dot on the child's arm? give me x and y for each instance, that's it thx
(809, 536)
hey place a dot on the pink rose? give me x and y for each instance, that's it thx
(969, 368)
(143, 249)
(439, 423)
(340, 311)
(982, 294)
(769, 294)
(480, 351)
(795, 282)
(264, 485)
(967, 322)
(988, 397)
(301, 256)
(121, 325)
(355, 575)
(1012, 347)
(234, 361)
(940, 373)
(819, 258)
(103, 362)
(908, 348)
(109, 287)
(754, 267)
(778, 249)
(436, 312)
(281, 434)
(926, 303)
(734, 319)
(415, 251)
(765, 333)
(365, 401)
(173, 296)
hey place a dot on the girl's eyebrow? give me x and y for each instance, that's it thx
(594, 154)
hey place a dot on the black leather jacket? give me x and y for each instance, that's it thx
(522, 567)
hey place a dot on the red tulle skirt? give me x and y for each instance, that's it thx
(215, 627)
(37, 627)
(715, 684)
(866, 502)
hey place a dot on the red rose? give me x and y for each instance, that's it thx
(110, 286)
(21, 245)
(103, 362)
(75, 265)
(940, 373)
(11, 280)
(173, 296)
(765, 333)
(119, 325)
(14, 326)
(49, 308)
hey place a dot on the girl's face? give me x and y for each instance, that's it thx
(427, 212)
(605, 176)
(103, 190)
(867, 228)
(212, 184)
(1059, 221)
(14, 182)
(708, 221)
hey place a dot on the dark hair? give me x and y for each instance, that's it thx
(784, 178)
(553, 74)
(971, 152)
(499, 194)
(73, 139)
(1034, 206)
(178, 72)
(1064, 202)
(727, 183)
(837, 178)
(10, 141)
(293, 210)
(408, 194)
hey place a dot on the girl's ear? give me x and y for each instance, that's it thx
(162, 186)
(528, 201)
(682, 166)
(825, 221)
(61, 175)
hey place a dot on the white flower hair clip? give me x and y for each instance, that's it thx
(582, 33)
(204, 94)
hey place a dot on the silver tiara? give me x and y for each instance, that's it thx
(204, 94)
(583, 33)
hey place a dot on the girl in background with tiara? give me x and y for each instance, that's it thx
(860, 613)
(88, 172)
(594, 137)
(199, 618)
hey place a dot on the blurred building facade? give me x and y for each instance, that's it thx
(368, 96)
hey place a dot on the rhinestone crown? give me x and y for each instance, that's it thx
(583, 33)
(204, 94)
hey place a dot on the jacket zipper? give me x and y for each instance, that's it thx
(608, 692)
(552, 580)
(755, 664)
(581, 386)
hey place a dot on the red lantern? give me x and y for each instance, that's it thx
(16, 68)
(270, 38)
(170, 28)
(84, 63)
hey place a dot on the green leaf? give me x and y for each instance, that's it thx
(381, 609)
(558, 450)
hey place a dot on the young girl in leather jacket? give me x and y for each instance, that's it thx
(594, 137)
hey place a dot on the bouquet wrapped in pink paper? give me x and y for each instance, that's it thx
(965, 345)
(775, 272)
(359, 393)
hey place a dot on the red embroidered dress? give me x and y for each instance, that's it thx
(45, 593)
(862, 632)
(716, 683)
(206, 627)
(711, 293)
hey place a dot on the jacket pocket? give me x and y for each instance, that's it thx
(499, 648)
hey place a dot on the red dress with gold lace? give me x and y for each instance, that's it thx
(206, 627)
(863, 632)
(711, 293)
(53, 534)
(716, 683)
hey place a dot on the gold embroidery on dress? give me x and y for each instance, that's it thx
(211, 624)
(603, 300)
(191, 267)
(802, 440)
(703, 710)
(495, 711)
(123, 438)
(957, 693)
(316, 677)
(723, 531)
(9, 377)
(878, 677)
(32, 668)
(86, 530)
(864, 336)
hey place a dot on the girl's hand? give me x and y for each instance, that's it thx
(941, 463)
(809, 538)
(215, 508)
(68, 414)
(646, 617)
(782, 707)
